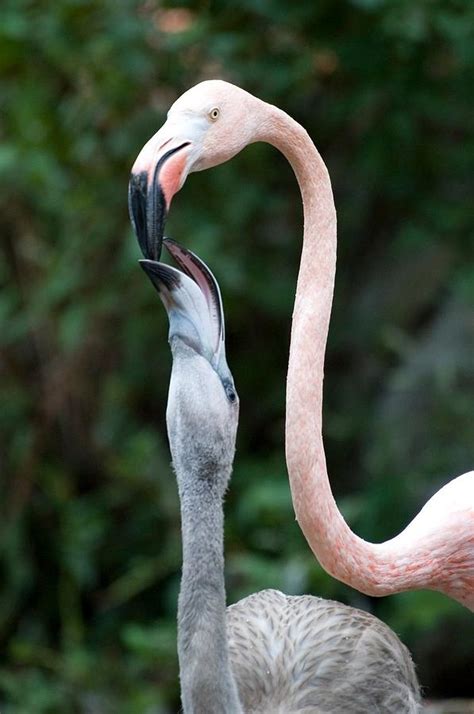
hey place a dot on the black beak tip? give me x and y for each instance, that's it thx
(161, 275)
(137, 194)
(147, 265)
(147, 210)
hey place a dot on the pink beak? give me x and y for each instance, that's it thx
(157, 174)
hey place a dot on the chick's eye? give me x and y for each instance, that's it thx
(214, 113)
(230, 392)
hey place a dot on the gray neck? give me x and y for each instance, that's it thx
(207, 683)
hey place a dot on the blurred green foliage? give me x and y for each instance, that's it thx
(90, 520)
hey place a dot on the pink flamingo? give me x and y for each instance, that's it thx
(206, 126)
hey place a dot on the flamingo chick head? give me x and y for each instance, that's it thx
(203, 406)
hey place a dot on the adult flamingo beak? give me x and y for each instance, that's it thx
(157, 174)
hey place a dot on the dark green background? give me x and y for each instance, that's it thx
(90, 523)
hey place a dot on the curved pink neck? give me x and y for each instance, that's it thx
(371, 568)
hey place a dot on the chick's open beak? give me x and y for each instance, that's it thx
(192, 299)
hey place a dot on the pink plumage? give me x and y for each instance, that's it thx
(436, 550)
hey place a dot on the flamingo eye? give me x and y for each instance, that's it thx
(214, 113)
(229, 391)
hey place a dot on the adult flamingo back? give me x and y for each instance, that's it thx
(206, 126)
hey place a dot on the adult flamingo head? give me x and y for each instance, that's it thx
(206, 126)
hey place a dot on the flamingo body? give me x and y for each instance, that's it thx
(269, 653)
(305, 654)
